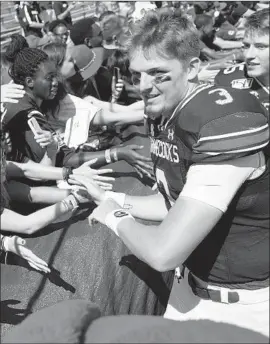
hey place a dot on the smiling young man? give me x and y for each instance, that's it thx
(253, 74)
(213, 182)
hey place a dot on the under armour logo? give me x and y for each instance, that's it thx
(152, 130)
(170, 134)
(178, 275)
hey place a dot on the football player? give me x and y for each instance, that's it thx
(253, 74)
(213, 182)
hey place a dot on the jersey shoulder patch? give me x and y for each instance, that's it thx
(234, 76)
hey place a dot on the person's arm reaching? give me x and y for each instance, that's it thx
(225, 44)
(207, 193)
(17, 223)
(106, 117)
(151, 208)
(36, 171)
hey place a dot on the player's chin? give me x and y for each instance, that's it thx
(153, 111)
(254, 72)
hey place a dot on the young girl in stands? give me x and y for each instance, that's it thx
(39, 76)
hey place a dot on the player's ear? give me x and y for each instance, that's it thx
(29, 82)
(193, 68)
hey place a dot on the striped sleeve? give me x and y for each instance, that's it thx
(232, 135)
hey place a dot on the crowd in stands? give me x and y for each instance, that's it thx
(67, 94)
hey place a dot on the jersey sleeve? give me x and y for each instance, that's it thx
(240, 128)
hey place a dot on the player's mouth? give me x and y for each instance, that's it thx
(150, 97)
(252, 64)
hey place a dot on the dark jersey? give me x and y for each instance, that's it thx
(22, 139)
(237, 77)
(218, 124)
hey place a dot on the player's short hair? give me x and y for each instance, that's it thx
(258, 22)
(170, 35)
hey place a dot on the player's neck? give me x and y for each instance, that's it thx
(264, 80)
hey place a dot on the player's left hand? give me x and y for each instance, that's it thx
(105, 207)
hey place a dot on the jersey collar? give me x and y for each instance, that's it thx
(187, 99)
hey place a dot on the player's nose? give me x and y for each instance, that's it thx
(145, 84)
(250, 53)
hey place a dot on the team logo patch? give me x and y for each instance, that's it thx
(170, 134)
(120, 213)
(242, 84)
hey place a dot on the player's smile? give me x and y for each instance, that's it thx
(162, 82)
(256, 52)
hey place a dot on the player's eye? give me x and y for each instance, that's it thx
(261, 46)
(245, 46)
(136, 79)
(159, 78)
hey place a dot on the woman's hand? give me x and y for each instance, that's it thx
(96, 175)
(11, 93)
(129, 154)
(16, 244)
(117, 88)
(97, 193)
(44, 138)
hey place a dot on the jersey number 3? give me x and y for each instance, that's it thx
(225, 97)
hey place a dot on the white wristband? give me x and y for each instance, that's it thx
(115, 217)
(6, 243)
(108, 156)
(118, 197)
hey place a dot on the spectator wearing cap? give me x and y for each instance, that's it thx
(90, 77)
(81, 67)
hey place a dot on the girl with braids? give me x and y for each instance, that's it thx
(13, 222)
(33, 69)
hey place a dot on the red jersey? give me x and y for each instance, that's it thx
(217, 124)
